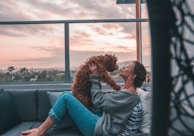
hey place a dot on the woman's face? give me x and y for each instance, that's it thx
(127, 71)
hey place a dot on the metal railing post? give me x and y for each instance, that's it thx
(67, 65)
(138, 31)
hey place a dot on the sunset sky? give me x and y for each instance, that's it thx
(42, 46)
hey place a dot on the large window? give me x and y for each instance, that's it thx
(35, 51)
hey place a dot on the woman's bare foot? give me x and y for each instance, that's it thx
(32, 132)
(41, 130)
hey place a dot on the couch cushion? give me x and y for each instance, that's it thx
(43, 105)
(8, 114)
(67, 121)
(16, 130)
(25, 103)
(64, 132)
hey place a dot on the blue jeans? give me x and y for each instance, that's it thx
(84, 119)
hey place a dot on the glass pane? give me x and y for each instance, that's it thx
(144, 11)
(87, 40)
(146, 49)
(28, 51)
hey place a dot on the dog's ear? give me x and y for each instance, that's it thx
(110, 58)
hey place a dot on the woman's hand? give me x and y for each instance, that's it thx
(93, 68)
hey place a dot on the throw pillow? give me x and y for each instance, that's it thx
(53, 96)
(8, 114)
(66, 121)
(146, 99)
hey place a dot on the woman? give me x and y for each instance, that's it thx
(117, 109)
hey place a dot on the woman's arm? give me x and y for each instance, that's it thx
(113, 101)
(110, 102)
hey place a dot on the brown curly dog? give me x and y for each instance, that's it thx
(81, 85)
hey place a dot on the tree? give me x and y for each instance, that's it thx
(10, 69)
(23, 71)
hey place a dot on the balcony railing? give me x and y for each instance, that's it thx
(67, 33)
